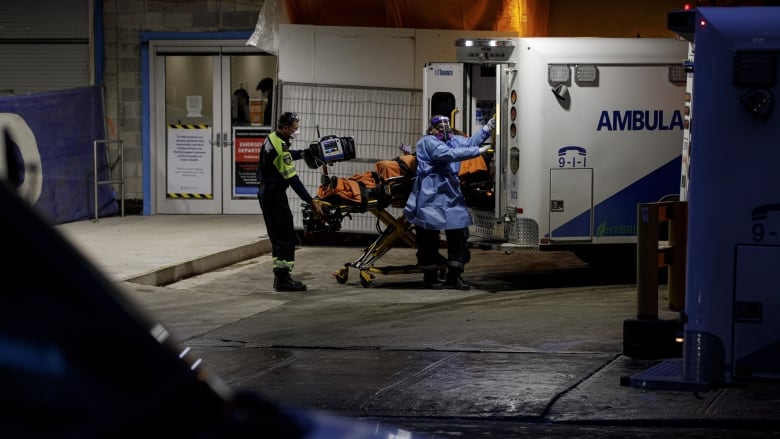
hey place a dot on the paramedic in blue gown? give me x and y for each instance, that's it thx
(436, 202)
(275, 173)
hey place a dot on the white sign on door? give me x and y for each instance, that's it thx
(189, 161)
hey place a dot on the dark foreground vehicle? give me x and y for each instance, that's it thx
(78, 360)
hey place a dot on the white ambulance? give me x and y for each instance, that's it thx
(587, 128)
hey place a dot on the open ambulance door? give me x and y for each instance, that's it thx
(468, 94)
(443, 90)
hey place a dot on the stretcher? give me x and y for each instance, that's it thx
(373, 192)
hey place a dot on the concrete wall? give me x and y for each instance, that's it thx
(124, 21)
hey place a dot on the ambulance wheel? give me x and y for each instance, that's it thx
(365, 279)
(342, 275)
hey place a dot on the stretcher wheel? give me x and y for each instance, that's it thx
(342, 275)
(366, 278)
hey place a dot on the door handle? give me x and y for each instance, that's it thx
(226, 141)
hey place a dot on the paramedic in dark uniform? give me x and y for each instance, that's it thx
(275, 173)
(437, 203)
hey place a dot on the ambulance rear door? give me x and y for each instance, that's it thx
(444, 89)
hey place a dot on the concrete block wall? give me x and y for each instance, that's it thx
(124, 20)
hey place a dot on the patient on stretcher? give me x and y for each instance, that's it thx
(389, 184)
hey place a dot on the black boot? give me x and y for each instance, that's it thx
(283, 282)
(454, 281)
(431, 280)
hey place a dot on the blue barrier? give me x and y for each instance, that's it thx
(49, 138)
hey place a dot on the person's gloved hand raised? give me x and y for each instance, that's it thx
(490, 126)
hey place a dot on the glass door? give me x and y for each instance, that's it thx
(206, 127)
(189, 144)
(245, 129)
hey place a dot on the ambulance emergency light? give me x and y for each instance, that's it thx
(483, 50)
(586, 75)
(329, 149)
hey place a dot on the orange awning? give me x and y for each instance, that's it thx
(525, 17)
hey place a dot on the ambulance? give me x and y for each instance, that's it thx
(587, 128)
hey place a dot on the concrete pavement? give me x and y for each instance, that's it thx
(534, 350)
(160, 249)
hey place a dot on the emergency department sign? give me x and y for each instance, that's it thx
(247, 142)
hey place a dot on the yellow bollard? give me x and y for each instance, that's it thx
(678, 241)
(650, 257)
(647, 261)
(647, 336)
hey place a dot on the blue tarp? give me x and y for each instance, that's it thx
(49, 138)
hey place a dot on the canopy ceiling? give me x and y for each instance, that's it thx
(525, 17)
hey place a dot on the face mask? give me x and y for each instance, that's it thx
(444, 134)
(442, 126)
(295, 133)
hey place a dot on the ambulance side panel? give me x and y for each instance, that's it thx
(609, 140)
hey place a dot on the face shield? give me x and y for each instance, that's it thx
(442, 125)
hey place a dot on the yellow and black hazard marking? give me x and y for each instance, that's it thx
(187, 126)
(190, 196)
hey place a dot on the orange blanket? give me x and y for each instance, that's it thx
(352, 188)
(348, 188)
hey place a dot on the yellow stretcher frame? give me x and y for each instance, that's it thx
(396, 228)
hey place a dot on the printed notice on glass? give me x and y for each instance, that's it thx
(189, 161)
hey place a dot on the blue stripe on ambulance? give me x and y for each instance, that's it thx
(616, 216)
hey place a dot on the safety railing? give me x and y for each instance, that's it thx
(120, 181)
(652, 255)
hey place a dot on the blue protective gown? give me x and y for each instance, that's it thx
(436, 201)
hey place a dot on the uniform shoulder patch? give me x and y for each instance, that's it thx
(287, 159)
